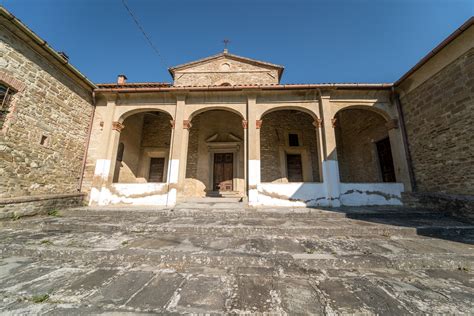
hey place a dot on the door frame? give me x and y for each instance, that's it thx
(214, 166)
(223, 148)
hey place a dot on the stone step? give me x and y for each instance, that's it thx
(242, 212)
(230, 194)
(321, 228)
(287, 263)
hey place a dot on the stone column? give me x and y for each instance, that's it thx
(400, 162)
(253, 130)
(318, 124)
(178, 146)
(102, 172)
(245, 127)
(329, 164)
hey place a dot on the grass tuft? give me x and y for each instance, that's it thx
(40, 298)
(54, 213)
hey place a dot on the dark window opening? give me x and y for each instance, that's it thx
(293, 140)
(384, 152)
(121, 148)
(157, 170)
(5, 96)
(294, 168)
(43, 140)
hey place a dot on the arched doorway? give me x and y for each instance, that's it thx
(215, 156)
(363, 147)
(289, 147)
(143, 152)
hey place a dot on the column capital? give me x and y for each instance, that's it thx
(117, 126)
(258, 124)
(187, 124)
(318, 123)
(245, 124)
(391, 124)
(172, 123)
(334, 122)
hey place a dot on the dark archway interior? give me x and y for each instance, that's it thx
(363, 147)
(288, 147)
(143, 151)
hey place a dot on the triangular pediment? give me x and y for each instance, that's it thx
(226, 69)
(223, 138)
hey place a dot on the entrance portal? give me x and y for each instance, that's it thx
(223, 171)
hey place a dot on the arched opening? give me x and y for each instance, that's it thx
(363, 147)
(215, 157)
(289, 147)
(143, 149)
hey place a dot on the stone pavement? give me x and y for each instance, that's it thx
(214, 259)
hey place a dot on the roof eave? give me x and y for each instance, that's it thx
(45, 46)
(436, 50)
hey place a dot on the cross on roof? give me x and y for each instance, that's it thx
(226, 42)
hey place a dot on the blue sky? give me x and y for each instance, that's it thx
(316, 41)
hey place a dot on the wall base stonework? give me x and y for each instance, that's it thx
(456, 205)
(33, 205)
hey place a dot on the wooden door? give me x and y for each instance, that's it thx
(294, 168)
(157, 170)
(223, 171)
(385, 159)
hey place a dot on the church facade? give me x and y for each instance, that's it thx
(227, 127)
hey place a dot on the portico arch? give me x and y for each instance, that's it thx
(121, 113)
(215, 153)
(145, 137)
(290, 146)
(199, 110)
(364, 149)
(281, 107)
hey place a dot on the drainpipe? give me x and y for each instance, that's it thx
(86, 147)
(396, 99)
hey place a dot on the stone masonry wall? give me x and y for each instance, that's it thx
(356, 131)
(273, 137)
(439, 116)
(156, 130)
(50, 106)
(193, 144)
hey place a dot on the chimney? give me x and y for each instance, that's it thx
(64, 55)
(121, 79)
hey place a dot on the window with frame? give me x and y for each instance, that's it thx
(293, 140)
(5, 96)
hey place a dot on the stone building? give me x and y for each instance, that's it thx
(227, 126)
(46, 109)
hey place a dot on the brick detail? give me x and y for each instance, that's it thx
(318, 123)
(17, 85)
(187, 124)
(117, 126)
